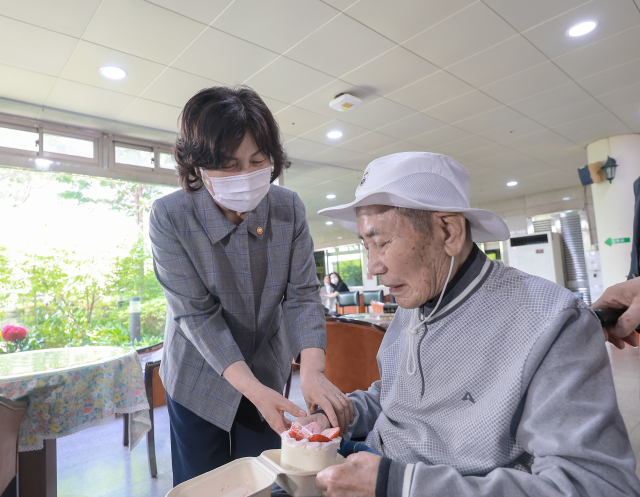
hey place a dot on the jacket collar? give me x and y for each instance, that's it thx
(217, 226)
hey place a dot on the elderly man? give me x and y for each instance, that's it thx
(494, 382)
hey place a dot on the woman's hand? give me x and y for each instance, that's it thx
(272, 406)
(270, 403)
(320, 418)
(320, 392)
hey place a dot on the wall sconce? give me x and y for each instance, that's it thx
(609, 169)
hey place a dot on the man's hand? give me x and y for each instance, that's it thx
(354, 478)
(618, 296)
(318, 391)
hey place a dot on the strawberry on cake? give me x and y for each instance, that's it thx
(308, 448)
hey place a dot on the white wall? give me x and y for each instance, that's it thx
(614, 203)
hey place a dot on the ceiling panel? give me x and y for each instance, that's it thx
(397, 148)
(174, 87)
(152, 114)
(339, 46)
(290, 21)
(390, 71)
(494, 118)
(619, 98)
(84, 99)
(334, 155)
(507, 132)
(469, 104)
(533, 81)
(296, 121)
(403, 19)
(376, 114)
(630, 115)
(349, 132)
(605, 54)
(615, 78)
(498, 62)
(571, 112)
(221, 57)
(584, 131)
(142, 29)
(299, 148)
(204, 11)
(69, 17)
(448, 41)
(440, 136)
(524, 14)
(87, 59)
(32, 48)
(414, 125)
(613, 16)
(288, 81)
(552, 99)
(430, 91)
(368, 142)
(26, 86)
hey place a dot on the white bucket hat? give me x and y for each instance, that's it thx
(420, 180)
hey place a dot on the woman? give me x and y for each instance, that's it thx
(235, 258)
(328, 295)
(338, 285)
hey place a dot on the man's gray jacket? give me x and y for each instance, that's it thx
(512, 396)
(234, 293)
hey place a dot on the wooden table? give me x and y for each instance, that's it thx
(69, 390)
(379, 318)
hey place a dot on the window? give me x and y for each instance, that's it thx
(66, 145)
(21, 140)
(347, 262)
(167, 161)
(134, 156)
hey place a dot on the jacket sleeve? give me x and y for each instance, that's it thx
(192, 306)
(570, 424)
(302, 308)
(366, 409)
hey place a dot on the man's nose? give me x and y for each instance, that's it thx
(376, 266)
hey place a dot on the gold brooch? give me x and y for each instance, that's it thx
(259, 230)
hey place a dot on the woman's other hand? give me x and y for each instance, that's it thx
(319, 418)
(320, 392)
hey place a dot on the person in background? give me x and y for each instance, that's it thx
(328, 295)
(339, 286)
(234, 256)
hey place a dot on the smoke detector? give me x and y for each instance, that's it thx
(344, 102)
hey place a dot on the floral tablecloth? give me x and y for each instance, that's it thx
(73, 389)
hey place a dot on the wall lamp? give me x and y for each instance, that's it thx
(609, 169)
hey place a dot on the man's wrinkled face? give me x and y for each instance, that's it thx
(406, 261)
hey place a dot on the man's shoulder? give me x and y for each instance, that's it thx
(538, 295)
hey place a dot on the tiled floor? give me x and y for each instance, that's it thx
(94, 462)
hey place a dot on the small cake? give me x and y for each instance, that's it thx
(308, 448)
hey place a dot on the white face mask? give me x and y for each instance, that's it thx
(240, 193)
(334, 281)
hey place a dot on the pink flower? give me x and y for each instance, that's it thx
(86, 410)
(137, 392)
(12, 333)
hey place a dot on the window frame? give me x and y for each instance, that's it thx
(18, 151)
(53, 130)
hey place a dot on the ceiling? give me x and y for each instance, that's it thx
(496, 84)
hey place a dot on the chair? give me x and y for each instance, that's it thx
(11, 414)
(350, 363)
(155, 395)
(348, 303)
(372, 295)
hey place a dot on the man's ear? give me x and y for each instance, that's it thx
(454, 226)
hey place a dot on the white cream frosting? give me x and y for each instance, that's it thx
(310, 445)
(302, 455)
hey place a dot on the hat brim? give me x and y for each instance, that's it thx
(486, 226)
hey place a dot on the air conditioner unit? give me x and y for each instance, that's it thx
(539, 254)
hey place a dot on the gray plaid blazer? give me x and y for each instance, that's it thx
(234, 293)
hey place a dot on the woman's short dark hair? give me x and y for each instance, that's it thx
(213, 124)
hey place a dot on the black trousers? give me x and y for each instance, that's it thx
(198, 446)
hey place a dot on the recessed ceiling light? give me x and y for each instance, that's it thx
(334, 134)
(331, 195)
(339, 238)
(582, 29)
(43, 163)
(329, 223)
(113, 72)
(512, 183)
(566, 198)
